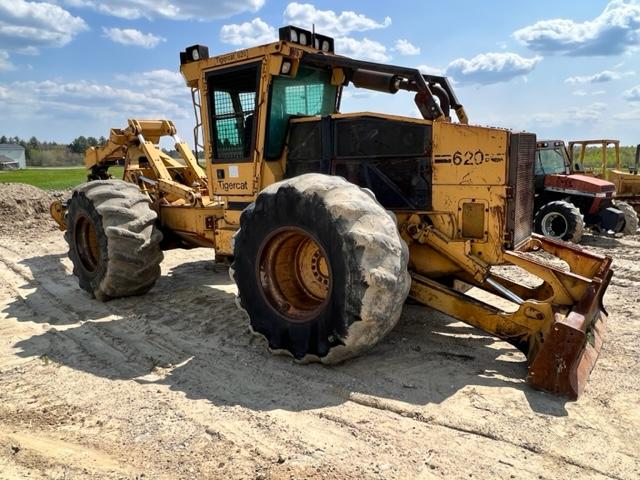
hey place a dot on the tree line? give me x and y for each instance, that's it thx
(53, 154)
(40, 153)
(78, 145)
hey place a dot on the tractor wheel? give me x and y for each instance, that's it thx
(320, 267)
(561, 220)
(113, 242)
(630, 218)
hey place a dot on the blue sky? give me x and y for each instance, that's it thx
(560, 69)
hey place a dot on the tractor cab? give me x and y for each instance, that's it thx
(551, 159)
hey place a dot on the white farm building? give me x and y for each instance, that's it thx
(12, 156)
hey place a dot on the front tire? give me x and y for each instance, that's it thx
(114, 244)
(630, 217)
(320, 267)
(560, 220)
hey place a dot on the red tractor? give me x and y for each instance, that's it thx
(567, 201)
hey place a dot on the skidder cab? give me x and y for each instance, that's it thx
(331, 220)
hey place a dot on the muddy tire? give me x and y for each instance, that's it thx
(320, 267)
(560, 220)
(113, 242)
(630, 218)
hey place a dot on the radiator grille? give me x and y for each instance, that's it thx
(522, 152)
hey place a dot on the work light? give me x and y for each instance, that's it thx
(194, 53)
(305, 37)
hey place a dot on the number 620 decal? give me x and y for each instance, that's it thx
(469, 157)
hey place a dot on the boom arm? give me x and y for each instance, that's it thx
(399, 78)
(139, 141)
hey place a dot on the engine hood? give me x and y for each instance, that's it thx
(581, 183)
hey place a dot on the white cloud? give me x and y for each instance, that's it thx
(601, 77)
(364, 49)
(160, 83)
(488, 68)
(60, 110)
(584, 93)
(328, 22)
(588, 113)
(255, 32)
(429, 70)
(160, 78)
(404, 47)
(626, 116)
(50, 99)
(27, 26)
(571, 116)
(633, 94)
(5, 63)
(613, 32)
(130, 36)
(171, 9)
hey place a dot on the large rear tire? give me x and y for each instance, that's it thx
(560, 220)
(320, 267)
(114, 244)
(630, 217)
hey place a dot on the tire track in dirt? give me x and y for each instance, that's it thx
(217, 384)
(245, 433)
(119, 351)
(377, 403)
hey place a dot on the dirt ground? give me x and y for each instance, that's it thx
(171, 385)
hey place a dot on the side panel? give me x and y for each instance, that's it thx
(469, 155)
(388, 156)
(470, 168)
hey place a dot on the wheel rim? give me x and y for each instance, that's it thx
(554, 225)
(86, 243)
(294, 275)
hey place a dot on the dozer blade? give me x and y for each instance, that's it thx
(570, 350)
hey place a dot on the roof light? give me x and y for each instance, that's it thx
(194, 53)
(324, 43)
(286, 67)
(305, 37)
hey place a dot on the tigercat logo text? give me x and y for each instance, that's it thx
(230, 57)
(226, 186)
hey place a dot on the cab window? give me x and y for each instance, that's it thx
(551, 161)
(232, 106)
(310, 93)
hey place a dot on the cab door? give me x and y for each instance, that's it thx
(232, 101)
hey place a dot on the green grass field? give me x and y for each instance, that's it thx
(52, 178)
